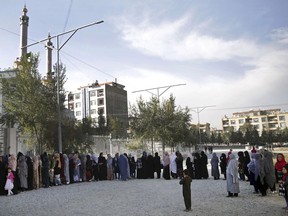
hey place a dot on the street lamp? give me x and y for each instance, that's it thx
(73, 31)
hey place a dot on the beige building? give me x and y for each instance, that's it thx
(271, 119)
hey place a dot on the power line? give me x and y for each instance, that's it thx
(85, 63)
(9, 31)
(67, 17)
(75, 58)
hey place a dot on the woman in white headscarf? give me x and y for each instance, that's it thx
(232, 177)
(173, 165)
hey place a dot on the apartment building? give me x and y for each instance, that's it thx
(108, 98)
(270, 119)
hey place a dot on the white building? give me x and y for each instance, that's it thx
(261, 119)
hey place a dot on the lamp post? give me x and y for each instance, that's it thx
(58, 48)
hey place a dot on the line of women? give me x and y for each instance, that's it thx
(56, 169)
(196, 163)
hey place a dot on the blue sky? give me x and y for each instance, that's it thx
(232, 54)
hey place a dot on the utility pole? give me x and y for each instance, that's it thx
(158, 88)
(73, 31)
(198, 110)
(158, 97)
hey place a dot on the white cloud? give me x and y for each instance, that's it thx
(265, 84)
(172, 41)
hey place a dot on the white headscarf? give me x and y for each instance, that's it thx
(232, 168)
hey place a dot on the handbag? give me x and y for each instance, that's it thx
(281, 191)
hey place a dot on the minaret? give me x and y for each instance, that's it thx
(24, 21)
(49, 46)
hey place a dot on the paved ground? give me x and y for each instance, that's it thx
(140, 197)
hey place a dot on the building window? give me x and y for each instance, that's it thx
(78, 113)
(256, 126)
(100, 102)
(283, 125)
(77, 96)
(93, 111)
(100, 93)
(92, 93)
(241, 121)
(255, 120)
(232, 122)
(263, 119)
(93, 102)
(101, 111)
(70, 97)
(281, 118)
(77, 105)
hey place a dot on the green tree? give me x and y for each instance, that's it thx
(27, 101)
(254, 136)
(116, 127)
(219, 138)
(160, 122)
(213, 138)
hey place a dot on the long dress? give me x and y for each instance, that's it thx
(89, 169)
(166, 166)
(173, 166)
(179, 164)
(66, 169)
(215, 166)
(23, 172)
(102, 168)
(30, 173)
(123, 164)
(139, 168)
(12, 163)
(270, 178)
(45, 170)
(197, 166)
(150, 166)
(35, 172)
(9, 182)
(223, 164)
(203, 165)
(232, 176)
(157, 165)
(109, 168)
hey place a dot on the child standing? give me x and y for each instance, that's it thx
(186, 182)
(9, 182)
(284, 184)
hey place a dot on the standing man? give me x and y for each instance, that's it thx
(186, 183)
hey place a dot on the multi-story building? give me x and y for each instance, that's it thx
(260, 119)
(109, 99)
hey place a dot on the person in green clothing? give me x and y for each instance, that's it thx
(186, 183)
